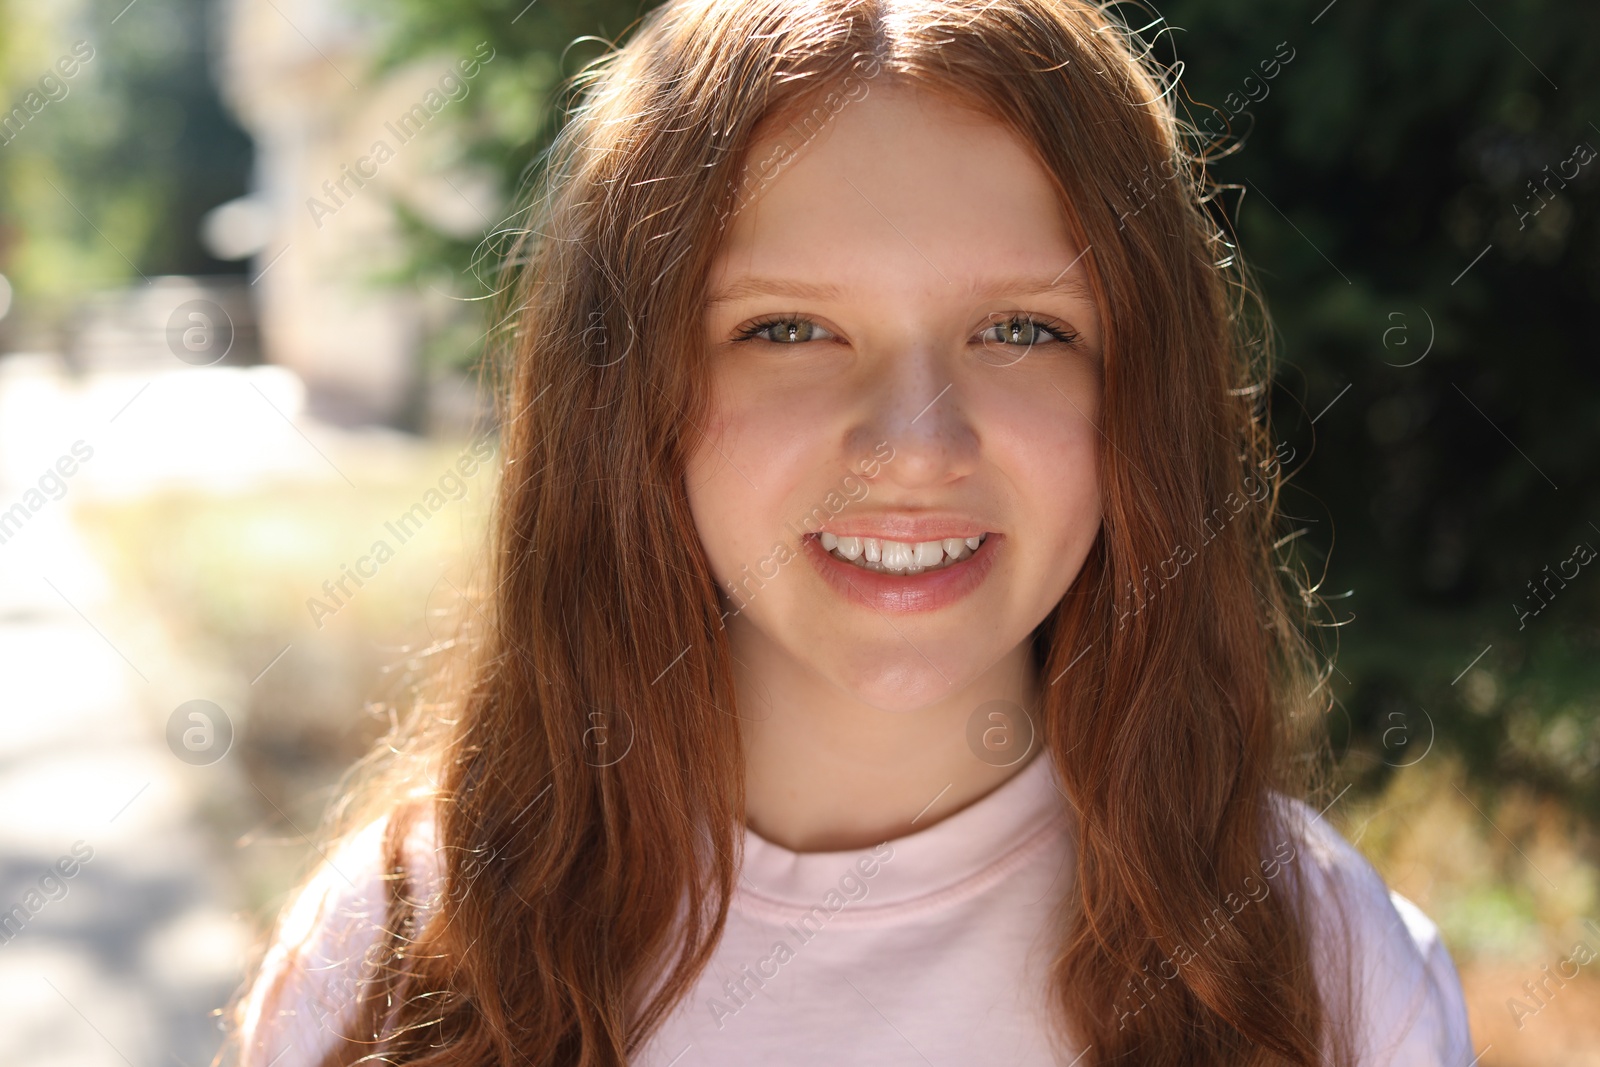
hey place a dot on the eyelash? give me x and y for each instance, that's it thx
(1060, 332)
(749, 332)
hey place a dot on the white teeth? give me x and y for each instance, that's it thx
(899, 557)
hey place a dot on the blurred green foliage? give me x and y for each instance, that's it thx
(1394, 151)
(511, 115)
(108, 181)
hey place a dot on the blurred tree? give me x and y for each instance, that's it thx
(1425, 314)
(510, 117)
(1428, 289)
(108, 181)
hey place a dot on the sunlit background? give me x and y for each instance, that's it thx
(238, 348)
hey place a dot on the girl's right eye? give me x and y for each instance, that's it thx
(784, 330)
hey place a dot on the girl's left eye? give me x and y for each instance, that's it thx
(784, 330)
(1026, 331)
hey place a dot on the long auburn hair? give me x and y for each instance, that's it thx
(582, 897)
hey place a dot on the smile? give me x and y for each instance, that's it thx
(907, 577)
(900, 557)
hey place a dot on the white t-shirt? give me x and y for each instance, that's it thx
(930, 949)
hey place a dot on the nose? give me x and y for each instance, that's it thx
(914, 404)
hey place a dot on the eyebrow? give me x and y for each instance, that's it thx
(1076, 285)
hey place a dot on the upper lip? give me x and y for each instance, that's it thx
(905, 528)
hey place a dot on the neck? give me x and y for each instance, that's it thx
(826, 772)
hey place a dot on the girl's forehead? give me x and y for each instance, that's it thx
(898, 181)
(887, 127)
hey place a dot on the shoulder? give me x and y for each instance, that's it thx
(327, 939)
(1383, 968)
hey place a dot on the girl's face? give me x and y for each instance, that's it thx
(905, 357)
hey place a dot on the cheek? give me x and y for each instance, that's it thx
(1064, 502)
(753, 458)
(1044, 422)
(1044, 441)
(713, 489)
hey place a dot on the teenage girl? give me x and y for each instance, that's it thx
(888, 661)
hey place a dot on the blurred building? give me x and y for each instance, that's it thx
(340, 147)
(204, 321)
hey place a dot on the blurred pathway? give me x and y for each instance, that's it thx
(123, 962)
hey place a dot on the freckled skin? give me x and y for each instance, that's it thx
(916, 211)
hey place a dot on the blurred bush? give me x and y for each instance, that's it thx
(1397, 148)
(232, 578)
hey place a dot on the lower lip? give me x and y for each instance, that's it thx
(908, 594)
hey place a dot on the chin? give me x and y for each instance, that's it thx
(901, 681)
